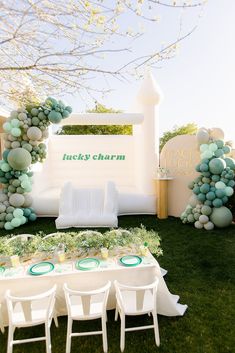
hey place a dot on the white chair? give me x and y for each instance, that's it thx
(87, 306)
(30, 311)
(22, 237)
(136, 301)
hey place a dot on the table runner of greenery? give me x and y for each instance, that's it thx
(79, 242)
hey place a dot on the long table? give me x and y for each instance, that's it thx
(22, 283)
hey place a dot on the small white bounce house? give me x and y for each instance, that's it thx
(126, 164)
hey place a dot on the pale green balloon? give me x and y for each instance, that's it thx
(16, 132)
(15, 123)
(16, 222)
(7, 127)
(19, 159)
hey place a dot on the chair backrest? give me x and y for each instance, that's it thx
(86, 298)
(138, 295)
(51, 235)
(22, 237)
(25, 306)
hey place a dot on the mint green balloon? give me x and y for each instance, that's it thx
(208, 154)
(213, 147)
(18, 212)
(220, 185)
(221, 217)
(229, 191)
(8, 226)
(15, 123)
(230, 162)
(7, 127)
(25, 184)
(19, 159)
(23, 219)
(16, 222)
(16, 132)
(5, 167)
(204, 147)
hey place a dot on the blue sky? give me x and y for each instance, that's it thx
(199, 83)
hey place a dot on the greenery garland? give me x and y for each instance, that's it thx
(84, 241)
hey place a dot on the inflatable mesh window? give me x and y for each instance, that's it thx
(25, 131)
(215, 184)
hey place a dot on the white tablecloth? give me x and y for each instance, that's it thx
(22, 283)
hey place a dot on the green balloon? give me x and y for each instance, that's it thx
(221, 217)
(5, 166)
(55, 117)
(206, 210)
(18, 212)
(205, 188)
(230, 162)
(217, 202)
(210, 195)
(201, 197)
(15, 222)
(15, 123)
(217, 165)
(219, 152)
(19, 159)
(16, 132)
(8, 226)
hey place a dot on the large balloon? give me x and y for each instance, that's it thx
(19, 159)
(217, 165)
(221, 217)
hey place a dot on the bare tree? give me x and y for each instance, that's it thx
(59, 45)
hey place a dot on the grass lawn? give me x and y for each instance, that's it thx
(201, 269)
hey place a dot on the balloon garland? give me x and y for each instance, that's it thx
(212, 189)
(25, 131)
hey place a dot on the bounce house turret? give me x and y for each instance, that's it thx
(147, 137)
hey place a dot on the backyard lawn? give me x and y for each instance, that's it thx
(201, 269)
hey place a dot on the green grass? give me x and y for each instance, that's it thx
(201, 269)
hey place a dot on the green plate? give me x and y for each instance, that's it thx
(2, 269)
(41, 268)
(130, 260)
(87, 264)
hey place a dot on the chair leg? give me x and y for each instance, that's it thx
(48, 338)
(56, 320)
(116, 313)
(156, 329)
(122, 337)
(104, 334)
(69, 331)
(10, 339)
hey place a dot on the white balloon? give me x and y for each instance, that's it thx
(198, 225)
(203, 219)
(202, 136)
(209, 226)
(216, 133)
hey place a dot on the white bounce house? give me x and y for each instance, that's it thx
(91, 161)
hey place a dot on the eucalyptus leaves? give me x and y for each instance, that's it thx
(77, 242)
